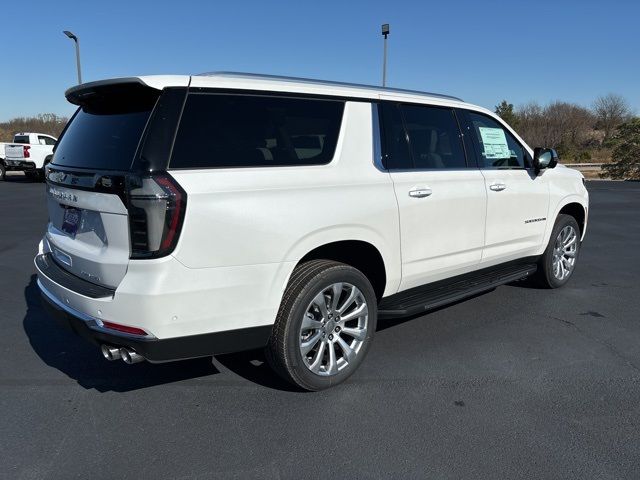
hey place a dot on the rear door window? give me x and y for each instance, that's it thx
(434, 137)
(420, 137)
(226, 130)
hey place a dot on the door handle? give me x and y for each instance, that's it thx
(497, 187)
(420, 192)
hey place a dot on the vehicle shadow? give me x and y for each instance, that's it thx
(19, 177)
(83, 362)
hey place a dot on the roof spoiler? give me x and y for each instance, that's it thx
(85, 92)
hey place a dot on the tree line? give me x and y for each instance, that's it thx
(48, 123)
(607, 132)
(575, 131)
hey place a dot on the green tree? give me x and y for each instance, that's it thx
(506, 111)
(626, 154)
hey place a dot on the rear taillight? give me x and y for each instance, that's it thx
(25, 151)
(156, 211)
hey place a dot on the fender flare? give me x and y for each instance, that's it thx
(571, 198)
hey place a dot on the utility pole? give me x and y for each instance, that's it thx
(77, 42)
(385, 33)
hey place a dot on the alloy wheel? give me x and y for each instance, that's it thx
(334, 328)
(564, 252)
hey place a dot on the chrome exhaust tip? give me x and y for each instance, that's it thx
(111, 353)
(130, 357)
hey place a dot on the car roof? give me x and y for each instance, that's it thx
(273, 83)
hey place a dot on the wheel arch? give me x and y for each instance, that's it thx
(574, 205)
(359, 254)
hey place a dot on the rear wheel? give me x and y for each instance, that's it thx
(559, 259)
(325, 325)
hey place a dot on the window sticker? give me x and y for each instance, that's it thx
(494, 142)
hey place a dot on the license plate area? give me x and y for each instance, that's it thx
(71, 221)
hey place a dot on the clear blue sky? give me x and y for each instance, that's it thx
(481, 50)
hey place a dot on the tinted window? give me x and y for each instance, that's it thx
(21, 139)
(395, 155)
(434, 137)
(104, 135)
(46, 140)
(495, 144)
(219, 130)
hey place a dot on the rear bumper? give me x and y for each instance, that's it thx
(154, 349)
(20, 165)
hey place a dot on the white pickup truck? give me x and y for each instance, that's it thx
(28, 153)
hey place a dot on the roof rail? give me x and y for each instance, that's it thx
(324, 82)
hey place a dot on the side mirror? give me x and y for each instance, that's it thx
(544, 158)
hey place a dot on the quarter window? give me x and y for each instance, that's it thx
(497, 147)
(220, 130)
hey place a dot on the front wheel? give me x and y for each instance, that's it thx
(559, 259)
(3, 172)
(325, 325)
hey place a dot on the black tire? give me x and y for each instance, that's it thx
(3, 172)
(545, 275)
(307, 281)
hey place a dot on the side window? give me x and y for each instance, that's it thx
(46, 140)
(395, 149)
(224, 130)
(434, 137)
(495, 144)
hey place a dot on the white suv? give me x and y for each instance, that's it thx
(191, 216)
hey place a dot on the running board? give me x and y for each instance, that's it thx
(433, 295)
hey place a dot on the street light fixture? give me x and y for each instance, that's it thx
(77, 42)
(385, 33)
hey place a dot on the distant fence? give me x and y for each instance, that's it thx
(583, 165)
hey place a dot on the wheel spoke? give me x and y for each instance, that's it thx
(570, 253)
(321, 302)
(349, 353)
(316, 362)
(570, 241)
(347, 303)
(357, 333)
(307, 345)
(310, 323)
(337, 291)
(332, 366)
(357, 312)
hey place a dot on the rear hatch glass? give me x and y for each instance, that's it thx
(104, 136)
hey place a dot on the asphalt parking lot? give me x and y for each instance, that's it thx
(515, 383)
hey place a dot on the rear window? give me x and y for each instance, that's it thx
(222, 130)
(21, 139)
(104, 134)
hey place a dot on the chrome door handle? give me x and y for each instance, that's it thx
(420, 192)
(497, 187)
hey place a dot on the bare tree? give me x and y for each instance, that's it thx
(611, 111)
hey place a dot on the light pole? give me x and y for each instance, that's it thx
(75, 39)
(385, 32)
